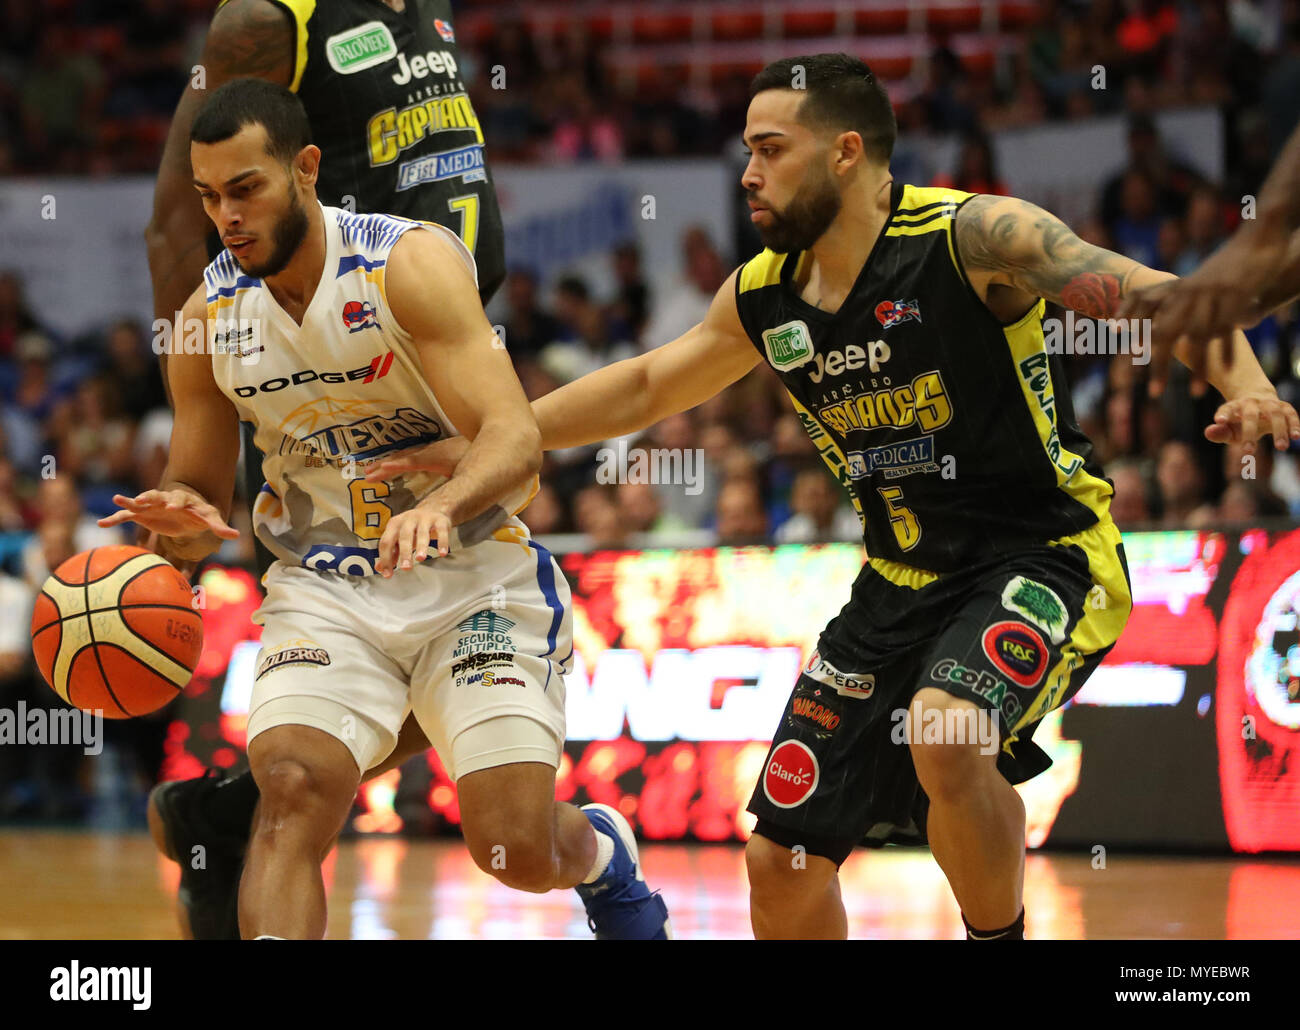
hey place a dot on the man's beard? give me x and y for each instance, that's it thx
(806, 217)
(289, 233)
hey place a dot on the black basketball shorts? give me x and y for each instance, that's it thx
(1017, 635)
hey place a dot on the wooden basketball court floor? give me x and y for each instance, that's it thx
(77, 885)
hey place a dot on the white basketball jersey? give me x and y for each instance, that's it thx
(328, 398)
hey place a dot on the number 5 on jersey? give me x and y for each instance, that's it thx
(369, 514)
(906, 529)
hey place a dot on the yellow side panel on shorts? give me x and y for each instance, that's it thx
(1105, 613)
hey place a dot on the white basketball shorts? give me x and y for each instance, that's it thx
(475, 645)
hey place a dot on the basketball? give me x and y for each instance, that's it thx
(115, 630)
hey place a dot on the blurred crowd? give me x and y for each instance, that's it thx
(88, 88)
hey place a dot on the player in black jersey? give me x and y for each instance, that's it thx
(907, 325)
(381, 81)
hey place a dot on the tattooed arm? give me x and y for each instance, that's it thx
(1014, 252)
(247, 38)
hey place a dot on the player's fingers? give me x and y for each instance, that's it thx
(1225, 425)
(387, 546)
(1293, 422)
(1280, 431)
(1159, 366)
(442, 531)
(1249, 424)
(1217, 433)
(117, 518)
(211, 518)
(406, 541)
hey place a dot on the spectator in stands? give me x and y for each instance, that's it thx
(1130, 505)
(545, 512)
(596, 515)
(149, 74)
(820, 512)
(93, 440)
(16, 516)
(1181, 483)
(16, 317)
(131, 370)
(36, 392)
(1137, 229)
(740, 520)
(638, 507)
(62, 514)
(976, 170)
(1172, 180)
(583, 131)
(685, 307)
(1171, 244)
(676, 434)
(1205, 230)
(629, 309)
(528, 327)
(59, 100)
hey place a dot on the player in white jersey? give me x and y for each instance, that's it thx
(343, 338)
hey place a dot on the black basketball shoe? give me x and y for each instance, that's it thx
(210, 854)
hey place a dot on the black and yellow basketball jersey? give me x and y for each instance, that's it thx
(953, 434)
(396, 129)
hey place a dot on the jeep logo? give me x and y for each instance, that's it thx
(875, 354)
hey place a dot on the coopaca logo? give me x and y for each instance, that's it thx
(791, 775)
(358, 315)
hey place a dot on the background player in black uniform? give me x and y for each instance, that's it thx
(383, 89)
(907, 326)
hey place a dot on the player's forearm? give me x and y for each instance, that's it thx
(504, 455)
(609, 402)
(1242, 378)
(1285, 286)
(1279, 197)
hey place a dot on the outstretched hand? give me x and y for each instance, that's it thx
(441, 456)
(1250, 417)
(171, 513)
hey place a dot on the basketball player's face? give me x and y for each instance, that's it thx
(792, 194)
(252, 199)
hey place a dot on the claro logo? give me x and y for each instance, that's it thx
(377, 369)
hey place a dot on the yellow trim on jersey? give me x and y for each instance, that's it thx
(301, 11)
(919, 196)
(902, 575)
(762, 270)
(1105, 613)
(533, 489)
(939, 224)
(828, 449)
(1033, 372)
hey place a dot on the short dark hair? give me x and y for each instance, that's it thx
(843, 94)
(242, 102)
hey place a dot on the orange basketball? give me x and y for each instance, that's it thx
(115, 629)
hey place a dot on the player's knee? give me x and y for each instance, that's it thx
(517, 859)
(954, 743)
(289, 790)
(778, 873)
